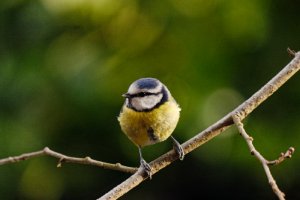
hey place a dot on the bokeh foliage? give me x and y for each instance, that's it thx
(65, 63)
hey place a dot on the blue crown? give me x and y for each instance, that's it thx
(147, 83)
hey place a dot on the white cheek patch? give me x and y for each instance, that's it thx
(146, 102)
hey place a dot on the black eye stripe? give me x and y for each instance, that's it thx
(143, 94)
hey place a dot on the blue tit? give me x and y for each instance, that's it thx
(149, 115)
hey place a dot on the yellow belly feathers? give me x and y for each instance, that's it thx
(161, 120)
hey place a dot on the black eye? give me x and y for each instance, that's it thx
(142, 94)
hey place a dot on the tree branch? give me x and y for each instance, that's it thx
(67, 159)
(265, 163)
(241, 112)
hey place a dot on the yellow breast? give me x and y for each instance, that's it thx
(145, 128)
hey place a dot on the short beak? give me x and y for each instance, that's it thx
(126, 95)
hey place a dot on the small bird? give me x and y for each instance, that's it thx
(149, 115)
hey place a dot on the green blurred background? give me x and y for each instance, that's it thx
(65, 63)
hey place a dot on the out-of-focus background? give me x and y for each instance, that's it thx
(65, 63)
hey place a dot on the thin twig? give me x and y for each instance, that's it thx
(282, 157)
(68, 159)
(291, 52)
(265, 163)
(241, 111)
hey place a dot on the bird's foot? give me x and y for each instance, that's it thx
(178, 148)
(146, 168)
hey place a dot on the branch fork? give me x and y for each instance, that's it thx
(265, 163)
